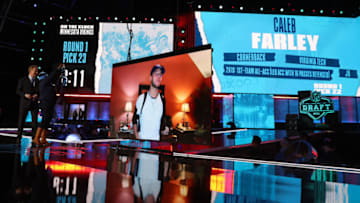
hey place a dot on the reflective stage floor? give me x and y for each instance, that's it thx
(218, 140)
(114, 172)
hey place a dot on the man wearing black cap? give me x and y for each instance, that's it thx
(150, 108)
(47, 88)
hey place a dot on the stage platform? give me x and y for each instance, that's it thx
(220, 140)
(100, 171)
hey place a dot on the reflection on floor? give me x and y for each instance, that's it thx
(103, 172)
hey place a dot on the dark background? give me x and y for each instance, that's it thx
(17, 19)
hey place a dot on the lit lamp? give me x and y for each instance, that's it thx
(128, 108)
(185, 107)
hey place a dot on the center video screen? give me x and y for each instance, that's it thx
(281, 54)
(185, 86)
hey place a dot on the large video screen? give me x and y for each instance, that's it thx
(185, 85)
(281, 54)
(89, 49)
(254, 111)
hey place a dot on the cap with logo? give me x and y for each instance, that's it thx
(157, 66)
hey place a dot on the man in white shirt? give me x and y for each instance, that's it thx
(150, 108)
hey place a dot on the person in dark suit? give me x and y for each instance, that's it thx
(81, 114)
(28, 90)
(47, 88)
(75, 115)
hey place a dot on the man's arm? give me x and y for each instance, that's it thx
(136, 117)
(55, 73)
(19, 89)
(134, 121)
(135, 131)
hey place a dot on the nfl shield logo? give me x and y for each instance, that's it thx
(316, 106)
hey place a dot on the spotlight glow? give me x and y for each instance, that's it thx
(73, 138)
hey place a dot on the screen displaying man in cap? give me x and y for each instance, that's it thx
(150, 108)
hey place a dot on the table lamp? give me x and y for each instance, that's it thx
(185, 107)
(128, 108)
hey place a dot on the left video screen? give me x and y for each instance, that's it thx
(89, 47)
(164, 97)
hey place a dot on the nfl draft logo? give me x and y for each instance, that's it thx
(316, 106)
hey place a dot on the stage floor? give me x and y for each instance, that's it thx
(110, 172)
(193, 144)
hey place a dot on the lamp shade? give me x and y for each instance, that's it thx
(185, 107)
(128, 107)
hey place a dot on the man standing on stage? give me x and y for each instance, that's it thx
(150, 108)
(28, 90)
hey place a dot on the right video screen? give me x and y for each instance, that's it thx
(157, 97)
(281, 54)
